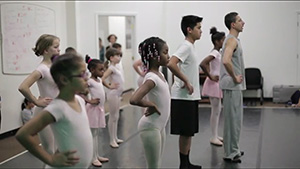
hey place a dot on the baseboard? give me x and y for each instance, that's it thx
(9, 133)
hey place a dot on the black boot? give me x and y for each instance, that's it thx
(183, 161)
(192, 166)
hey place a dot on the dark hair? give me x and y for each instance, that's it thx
(70, 49)
(215, 35)
(111, 52)
(64, 65)
(43, 43)
(25, 103)
(230, 18)
(189, 21)
(150, 49)
(92, 63)
(109, 36)
(116, 45)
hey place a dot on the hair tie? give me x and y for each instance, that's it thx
(89, 60)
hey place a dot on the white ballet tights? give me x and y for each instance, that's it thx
(114, 105)
(153, 142)
(215, 114)
(95, 134)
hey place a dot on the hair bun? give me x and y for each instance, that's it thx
(213, 30)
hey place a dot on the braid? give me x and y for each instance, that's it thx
(150, 50)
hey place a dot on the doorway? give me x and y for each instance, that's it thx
(298, 46)
(123, 26)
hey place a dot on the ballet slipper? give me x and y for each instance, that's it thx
(216, 142)
(114, 145)
(220, 138)
(97, 163)
(119, 141)
(103, 159)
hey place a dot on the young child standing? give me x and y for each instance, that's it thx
(48, 47)
(115, 86)
(67, 116)
(138, 67)
(152, 124)
(95, 105)
(211, 67)
(26, 113)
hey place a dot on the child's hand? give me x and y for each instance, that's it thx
(63, 159)
(189, 87)
(215, 78)
(151, 110)
(114, 85)
(95, 101)
(43, 101)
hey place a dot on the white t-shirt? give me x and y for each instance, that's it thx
(189, 66)
(215, 64)
(97, 90)
(160, 96)
(46, 84)
(72, 131)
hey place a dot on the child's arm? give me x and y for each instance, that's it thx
(172, 65)
(90, 101)
(138, 95)
(205, 67)
(26, 136)
(106, 74)
(136, 66)
(24, 88)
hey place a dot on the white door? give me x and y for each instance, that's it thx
(298, 45)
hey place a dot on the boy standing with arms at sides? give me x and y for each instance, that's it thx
(185, 91)
(232, 82)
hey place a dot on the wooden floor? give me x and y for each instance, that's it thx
(269, 138)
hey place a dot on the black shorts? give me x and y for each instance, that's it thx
(184, 117)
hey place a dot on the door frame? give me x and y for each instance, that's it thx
(134, 41)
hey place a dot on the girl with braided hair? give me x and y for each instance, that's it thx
(154, 53)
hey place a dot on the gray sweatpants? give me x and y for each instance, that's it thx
(233, 116)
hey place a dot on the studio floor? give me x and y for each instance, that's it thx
(270, 139)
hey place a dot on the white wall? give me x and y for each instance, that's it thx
(11, 97)
(269, 39)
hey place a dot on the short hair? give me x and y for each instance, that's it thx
(116, 45)
(189, 21)
(109, 36)
(230, 18)
(43, 43)
(111, 52)
(64, 65)
(150, 49)
(70, 49)
(215, 35)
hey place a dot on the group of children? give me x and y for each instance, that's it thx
(70, 109)
(72, 140)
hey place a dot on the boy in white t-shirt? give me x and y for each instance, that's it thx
(185, 91)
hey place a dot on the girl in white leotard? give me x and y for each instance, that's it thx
(48, 47)
(152, 124)
(115, 86)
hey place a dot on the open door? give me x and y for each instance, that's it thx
(123, 26)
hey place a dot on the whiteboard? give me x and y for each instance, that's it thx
(21, 26)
